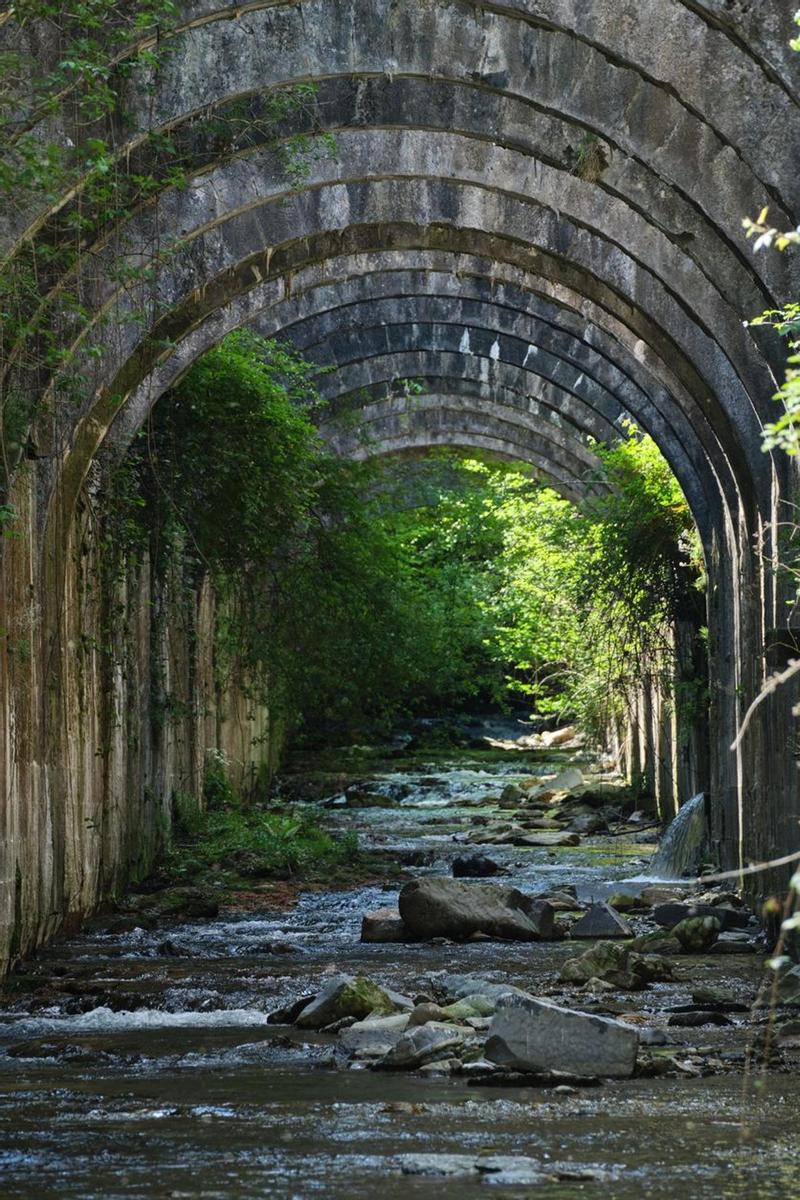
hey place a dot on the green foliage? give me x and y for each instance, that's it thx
(784, 433)
(72, 63)
(255, 842)
(524, 594)
(348, 594)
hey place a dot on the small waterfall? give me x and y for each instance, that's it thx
(681, 849)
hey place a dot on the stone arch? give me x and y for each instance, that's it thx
(541, 173)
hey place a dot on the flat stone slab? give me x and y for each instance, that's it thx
(547, 839)
(535, 1035)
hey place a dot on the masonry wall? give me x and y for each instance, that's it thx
(108, 708)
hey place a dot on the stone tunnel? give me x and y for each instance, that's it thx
(532, 210)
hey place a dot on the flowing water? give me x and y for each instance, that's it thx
(142, 1064)
(681, 851)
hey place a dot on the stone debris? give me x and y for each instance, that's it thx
(618, 964)
(422, 1044)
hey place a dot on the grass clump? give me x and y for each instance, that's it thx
(238, 843)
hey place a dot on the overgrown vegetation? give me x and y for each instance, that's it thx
(350, 595)
(238, 843)
(73, 175)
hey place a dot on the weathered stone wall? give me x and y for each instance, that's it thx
(109, 706)
(534, 209)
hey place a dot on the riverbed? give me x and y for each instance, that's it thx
(142, 1064)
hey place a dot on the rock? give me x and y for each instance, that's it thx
(692, 1020)
(567, 780)
(401, 1003)
(440, 907)
(588, 823)
(557, 737)
(623, 902)
(601, 922)
(661, 894)
(696, 934)
(289, 1014)
(378, 1035)
(438, 1166)
(511, 794)
(474, 1005)
(460, 1011)
(457, 987)
(477, 866)
(441, 1066)
(191, 902)
(562, 901)
(598, 986)
(383, 925)
(734, 942)
(547, 839)
(346, 996)
(424, 1013)
(670, 915)
(653, 1036)
(536, 1035)
(659, 941)
(169, 949)
(615, 964)
(718, 999)
(424, 1043)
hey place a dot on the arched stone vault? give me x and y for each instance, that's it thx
(534, 208)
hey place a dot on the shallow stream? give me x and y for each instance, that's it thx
(142, 1064)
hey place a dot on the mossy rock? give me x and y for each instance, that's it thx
(660, 941)
(697, 934)
(615, 963)
(357, 997)
(623, 902)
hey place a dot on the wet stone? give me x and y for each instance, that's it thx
(478, 866)
(696, 934)
(383, 925)
(600, 921)
(423, 1044)
(537, 1035)
(347, 996)
(443, 907)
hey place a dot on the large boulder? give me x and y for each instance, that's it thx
(347, 996)
(535, 1035)
(440, 907)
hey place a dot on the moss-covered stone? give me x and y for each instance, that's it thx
(697, 934)
(349, 996)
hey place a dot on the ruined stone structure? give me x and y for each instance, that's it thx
(533, 211)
